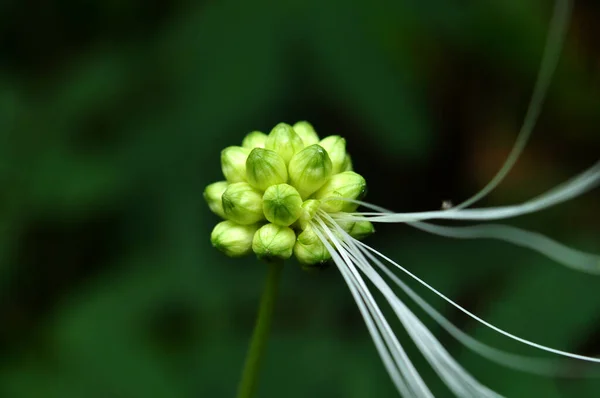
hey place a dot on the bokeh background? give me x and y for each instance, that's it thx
(112, 118)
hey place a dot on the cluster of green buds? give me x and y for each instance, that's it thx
(275, 186)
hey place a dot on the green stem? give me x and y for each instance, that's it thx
(247, 386)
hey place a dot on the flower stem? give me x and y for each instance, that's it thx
(249, 381)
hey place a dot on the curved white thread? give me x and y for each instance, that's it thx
(453, 375)
(403, 363)
(554, 42)
(576, 259)
(478, 319)
(570, 189)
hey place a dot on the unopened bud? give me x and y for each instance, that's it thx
(345, 224)
(306, 132)
(242, 203)
(233, 239)
(347, 164)
(362, 229)
(282, 204)
(347, 185)
(273, 242)
(309, 249)
(284, 140)
(213, 194)
(309, 169)
(309, 209)
(336, 148)
(233, 163)
(265, 168)
(255, 139)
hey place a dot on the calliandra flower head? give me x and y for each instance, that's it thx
(305, 208)
(277, 184)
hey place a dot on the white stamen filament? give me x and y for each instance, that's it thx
(572, 258)
(576, 259)
(554, 41)
(576, 186)
(393, 356)
(455, 377)
(350, 254)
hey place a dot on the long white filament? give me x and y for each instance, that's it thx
(518, 362)
(554, 41)
(455, 377)
(576, 259)
(522, 363)
(475, 317)
(572, 258)
(395, 360)
(574, 187)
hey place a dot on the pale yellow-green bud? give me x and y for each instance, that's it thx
(309, 209)
(273, 242)
(348, 185)
(347, 164)
(264, 168)
(336, 149)
(255, 139)
(282, 204)
(362, 229)
(309, 249)
(233, 163)
(345, 224)
(284, 140)
(306, 132)
(242, 203)
(309, 170)
(213, 194)
(233, 239)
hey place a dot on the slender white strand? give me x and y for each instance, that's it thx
(456, 377)
(572, 258)
(518, 362)
(373, 331)
(416, 383)
(480, 320)
(582, 183)
(566, 191)
(554, 42)
(445, 369)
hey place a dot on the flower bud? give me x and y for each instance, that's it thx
(306, 132)
(362, 229)
(265, 168)
(336, 149)
(242, 203)
(345, 224)
(233, 239)
(282, 204)
(284, 140)
(309, 249)
(347, 164)
(213, 194)
(233, 163)
(273, 242)
(255, 139)
(347, 185)
(309, 209)
(309, 170)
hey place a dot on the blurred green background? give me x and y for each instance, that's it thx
(112, 118)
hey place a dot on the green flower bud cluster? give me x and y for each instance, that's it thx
(274, 186)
